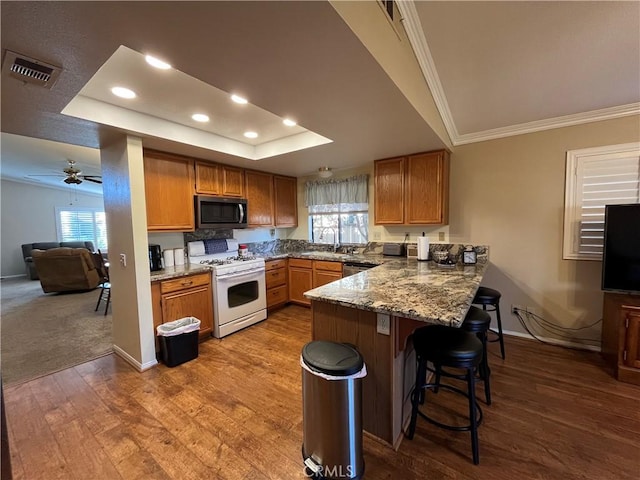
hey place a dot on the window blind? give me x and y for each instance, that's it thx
(82, 224)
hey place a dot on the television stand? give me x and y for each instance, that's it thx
(621, 335)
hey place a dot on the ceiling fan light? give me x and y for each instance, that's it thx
(325, 172)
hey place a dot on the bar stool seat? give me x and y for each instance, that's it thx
(478, 321)
(489, 297)
(447, 347)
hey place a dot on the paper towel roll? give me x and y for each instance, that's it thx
(178, 256)
(196, 249)
(167, 256)
(423, 248)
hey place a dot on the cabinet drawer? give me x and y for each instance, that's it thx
(273, 264)
(330, 266)
(276, 277)
(181, 283)
(300, 262)
(276, 295)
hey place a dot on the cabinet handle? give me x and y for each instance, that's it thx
(186, 284)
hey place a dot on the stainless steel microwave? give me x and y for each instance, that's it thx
(220, 212)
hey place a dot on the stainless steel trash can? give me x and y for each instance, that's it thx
(332, 410)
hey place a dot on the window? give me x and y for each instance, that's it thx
(338, 210)
(339, 223)
(596, 177)
(82, 224)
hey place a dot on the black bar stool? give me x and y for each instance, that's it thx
(488, 297)
(478, 321)
(447, 347)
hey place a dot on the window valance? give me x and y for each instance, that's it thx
(330, 192)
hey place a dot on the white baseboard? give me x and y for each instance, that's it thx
(13, 276)
(135, 363)
(555, 341)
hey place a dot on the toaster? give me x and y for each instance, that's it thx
(394, 249)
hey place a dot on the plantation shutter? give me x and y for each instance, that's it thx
(604, 182)
(596, 178)
(82, 224)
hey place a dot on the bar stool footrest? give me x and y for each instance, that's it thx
(463, 428)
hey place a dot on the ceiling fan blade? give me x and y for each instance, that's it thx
(93, 178)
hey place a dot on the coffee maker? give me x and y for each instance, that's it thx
(155, 257)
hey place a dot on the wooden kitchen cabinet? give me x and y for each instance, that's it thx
(276, 282)
(285, 201)
(271, 199)
(217, 179)
(412, 190)
(621, 335)
(189, 296)
(259, 192)
(307, 274)
(168, 184)
(326, 272)
(300, 280)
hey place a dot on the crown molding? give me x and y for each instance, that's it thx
(413, 28)
(550, 123)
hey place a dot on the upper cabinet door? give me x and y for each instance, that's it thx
(427, 189)
(389, 191)
(208, 178)
(232, 181)
(169, 192)
(259, 192)
(286, 203)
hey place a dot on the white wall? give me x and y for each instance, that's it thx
(28, 215)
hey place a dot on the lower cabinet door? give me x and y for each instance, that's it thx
(300, 280)
(194, 302)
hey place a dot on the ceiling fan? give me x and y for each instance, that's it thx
(74, 175)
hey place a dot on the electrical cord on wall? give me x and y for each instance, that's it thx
(525, 316)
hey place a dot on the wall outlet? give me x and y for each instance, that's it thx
(520, 308)
(123, 260)
(384, 324)
(441, 236)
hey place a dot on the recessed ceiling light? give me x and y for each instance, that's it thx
(123, 92)
(289, 123)
(155, 62)
(251, 134)
(239, 99)
(200, 117)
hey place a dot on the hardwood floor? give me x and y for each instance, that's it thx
(236, 413)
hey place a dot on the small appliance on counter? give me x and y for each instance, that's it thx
(394, 249)
(155, 257)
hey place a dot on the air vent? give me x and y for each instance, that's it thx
(30, 70)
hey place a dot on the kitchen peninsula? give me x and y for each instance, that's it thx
(376, 310)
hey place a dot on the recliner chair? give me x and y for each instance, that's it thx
(27, 248)
(66, 269)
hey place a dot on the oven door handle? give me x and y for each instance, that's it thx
(231, 276)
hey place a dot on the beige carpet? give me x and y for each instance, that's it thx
(42, 333)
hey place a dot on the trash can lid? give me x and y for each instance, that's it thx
(332, 358)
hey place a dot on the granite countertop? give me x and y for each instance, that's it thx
(407, 288)
(178, 271)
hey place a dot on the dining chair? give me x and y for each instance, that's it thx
(105, 284)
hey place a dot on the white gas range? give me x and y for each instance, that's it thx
(239, 290)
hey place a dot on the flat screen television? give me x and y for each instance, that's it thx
(621, 258)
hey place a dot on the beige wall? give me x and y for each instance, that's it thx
(509, 194)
